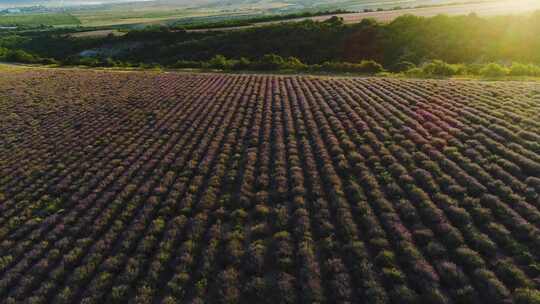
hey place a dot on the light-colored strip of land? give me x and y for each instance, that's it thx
(95, 34)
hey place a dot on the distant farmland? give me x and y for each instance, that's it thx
(53, 19)
(141, 187)
(482, 9)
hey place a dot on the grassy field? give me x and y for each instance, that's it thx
(113, 18)
(139, 187)
(53, 19)
(143, 13)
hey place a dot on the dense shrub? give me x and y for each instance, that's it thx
(20, 56)
(494, 70)
(440, 68)
(220, 62)
(370, 67)
(270, 62)
(520, 69)
(404, 66)
(364, 67)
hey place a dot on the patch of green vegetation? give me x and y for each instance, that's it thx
(273, 62)
(21, 56)
(53, 206)
(492, 70)
(5, 261)
(46, 206)
(37, 20)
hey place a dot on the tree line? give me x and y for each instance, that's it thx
(405, 43)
